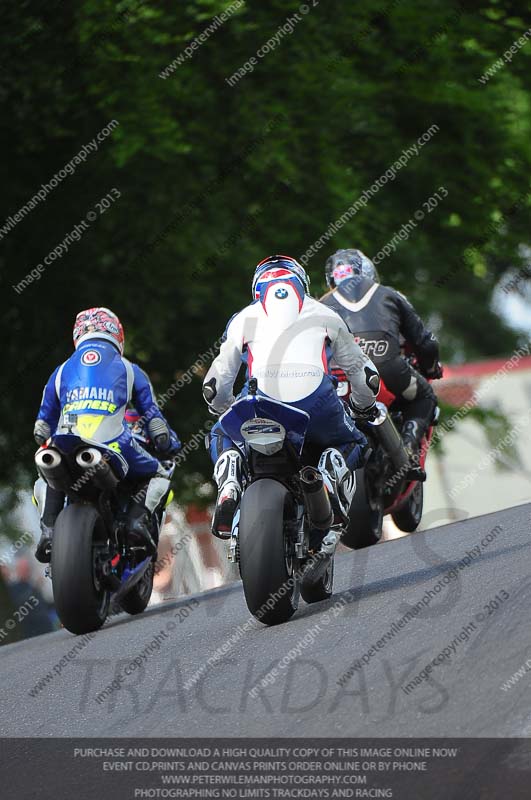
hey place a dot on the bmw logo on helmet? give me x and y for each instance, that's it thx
(281, 293)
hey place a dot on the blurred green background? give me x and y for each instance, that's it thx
(213, 178)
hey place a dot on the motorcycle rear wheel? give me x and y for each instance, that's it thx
(408, 516)
(268, 571)
(365, 519)
(81, 600)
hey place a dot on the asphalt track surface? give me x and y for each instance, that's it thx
(374, 589)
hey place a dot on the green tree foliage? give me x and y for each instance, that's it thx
(214, 177)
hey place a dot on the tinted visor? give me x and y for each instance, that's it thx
(348, 264)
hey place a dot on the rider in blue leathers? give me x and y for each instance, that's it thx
(95, 386)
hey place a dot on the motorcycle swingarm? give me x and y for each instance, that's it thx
(132, 579)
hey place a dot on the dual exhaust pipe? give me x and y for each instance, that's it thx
(52, 467)
(93, 460)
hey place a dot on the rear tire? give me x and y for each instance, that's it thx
(81, 601)
(136, 600)
(408, 517)
(270, 584)
(322, 590)
(365, 522)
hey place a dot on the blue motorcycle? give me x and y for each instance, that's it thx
(94, 566)
(283, 500)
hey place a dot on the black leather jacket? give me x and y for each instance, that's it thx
(381, 319)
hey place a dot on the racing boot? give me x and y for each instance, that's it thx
(138, 523)
(412, 436)
(228, 477)
(340, 482)
(49, 502)
(43, 551)
(142, 510)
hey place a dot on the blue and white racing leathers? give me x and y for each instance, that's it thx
(91, 391)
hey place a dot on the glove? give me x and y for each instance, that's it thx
(434, 372)
(159, 433)
(209, 393)
(41, 431)
(175, 445)
(365, 414)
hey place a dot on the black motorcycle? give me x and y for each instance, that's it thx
(94, 565)
(386, 484)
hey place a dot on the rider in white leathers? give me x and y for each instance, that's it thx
(286, 338)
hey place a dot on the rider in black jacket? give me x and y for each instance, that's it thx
(382, 320)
